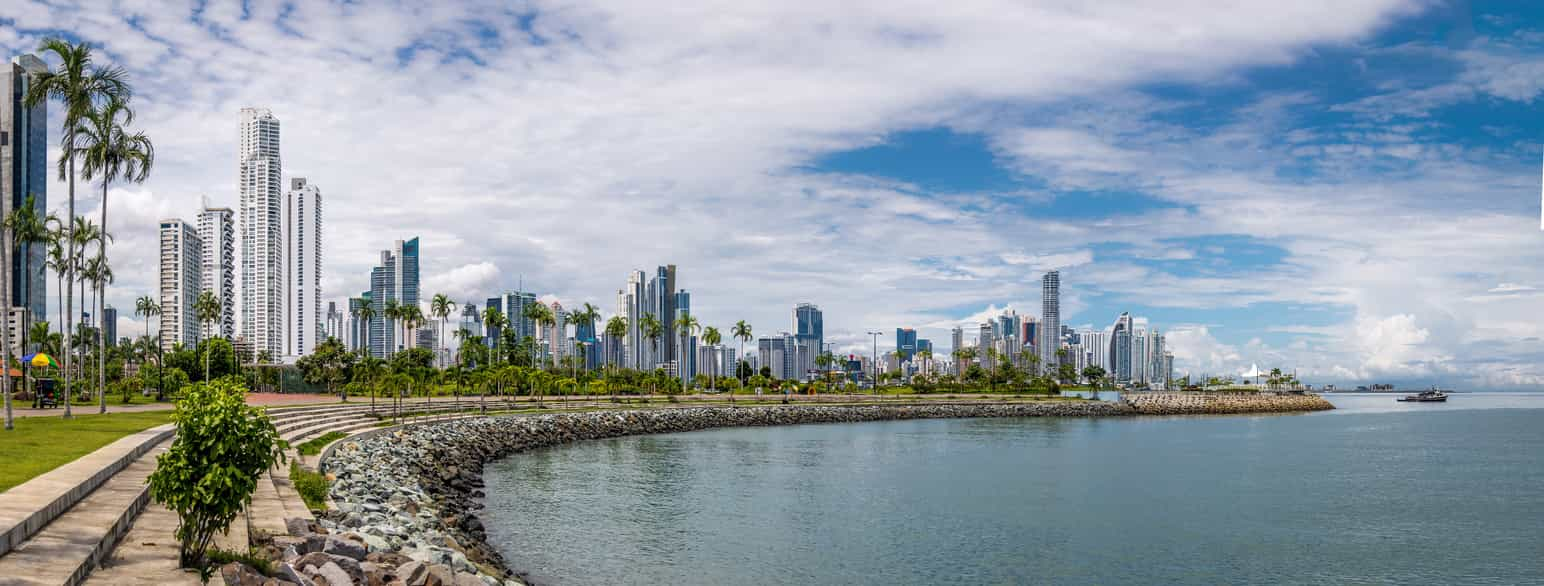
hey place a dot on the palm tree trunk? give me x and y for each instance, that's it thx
(100, 309)
(5, 332)
(69, 295)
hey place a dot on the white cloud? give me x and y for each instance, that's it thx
(603, 137)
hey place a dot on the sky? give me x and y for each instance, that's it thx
(1349, 189)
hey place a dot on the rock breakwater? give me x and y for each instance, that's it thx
(413, 492)
(1223, 403)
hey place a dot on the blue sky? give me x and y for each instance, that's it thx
(1346, 188)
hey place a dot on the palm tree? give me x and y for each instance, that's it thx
(441, 307)
(392, 312)
(587, 314)
(100, 274)
(110, 152)
(493, 319)
(80, 85)
(207, 308)
(146, 307)
(742, 332)
(651, 329)
(364, 313)
(539, 314)
(686, 325)
(22, 227)
(412, 317)
(616, 329)
(711, 337)
(83, 233)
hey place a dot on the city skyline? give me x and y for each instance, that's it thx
(1194, 191)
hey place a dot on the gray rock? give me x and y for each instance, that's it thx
(355, 571)
(239, 574)
(439, 575)
(299, 526)
(464, 579)
(334, 575)
(288, 572)
(412, 573)
(314, 559)
(345, 547)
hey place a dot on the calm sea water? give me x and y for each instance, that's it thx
(1375, 492)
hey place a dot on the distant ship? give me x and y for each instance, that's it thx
(1431, 396)
(1375, 389)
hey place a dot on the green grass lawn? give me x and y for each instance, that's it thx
(40, 444)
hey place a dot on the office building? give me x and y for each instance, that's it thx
(217, 232)
(906, 342)
(110, 325)
(24, 171)
(1050, 319)
(262, 242)
(358, 336)
(333, 323)
(809, 325)
(303, 267)
(957, 341)
(661, 303)
(180, 280)
(395, 279)
(1120, 349)
(631, 305)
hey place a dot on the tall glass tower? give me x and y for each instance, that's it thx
(1050, 319)
(24, 172)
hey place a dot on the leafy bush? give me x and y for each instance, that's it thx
(312, 486)
(208, 475)
(217, 557)
(314, 446)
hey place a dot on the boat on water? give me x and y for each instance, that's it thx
(1432, 396)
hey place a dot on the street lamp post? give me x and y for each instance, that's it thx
(874, 380)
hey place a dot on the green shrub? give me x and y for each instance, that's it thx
(314, 446)
(312, 486)
(222, 448)
(217, 557)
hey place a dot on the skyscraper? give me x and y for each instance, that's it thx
(110, 325)
(302, 267)
(809, 327)
(1120, 349)
(662, 295)
(395, 279)
(332, 323)
(957, 341)
(181, 260)
(217, 232)
(906, 342)
(23, 172)
(358, 336)
(632, 300)
(262, 245)
(1050, 319)
(685, 355)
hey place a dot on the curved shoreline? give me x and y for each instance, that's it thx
(415, 490)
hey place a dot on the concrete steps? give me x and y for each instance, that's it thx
(68, 548)
(27, 508)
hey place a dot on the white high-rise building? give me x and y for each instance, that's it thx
(182, 255)
(217, 233)
(302, 268)
(1050, 320)
(262, 242)
(633, 305)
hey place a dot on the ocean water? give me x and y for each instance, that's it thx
(1376, 492)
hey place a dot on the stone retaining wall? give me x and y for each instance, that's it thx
(1222, 403)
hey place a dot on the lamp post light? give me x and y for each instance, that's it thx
(874, 380)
